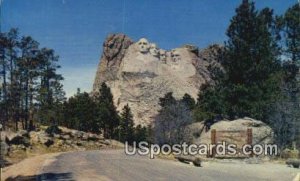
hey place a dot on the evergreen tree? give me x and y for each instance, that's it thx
(140, 134)
(81, 113)
(28, 64)
(50, 90)
(292, 33)
(23, 71)
(189, 101)
(252, 74)
(251, 62)
(170, 125)
(107, 113)
(13, 95)
(3, 73)
(150, 134)
(168, 99)
(126, 125)
(286, 115)
(210, 103)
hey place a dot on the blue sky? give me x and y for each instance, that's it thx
(76, 29)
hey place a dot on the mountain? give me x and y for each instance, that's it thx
(139, 73)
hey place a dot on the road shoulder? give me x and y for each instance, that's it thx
(26, 169)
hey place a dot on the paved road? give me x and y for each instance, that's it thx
(115, 165)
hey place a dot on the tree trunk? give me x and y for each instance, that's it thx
(5, 118)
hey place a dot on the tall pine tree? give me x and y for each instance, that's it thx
(107, 113)
(251, 82)
(286, 116)
(251, 63)
(126, 125)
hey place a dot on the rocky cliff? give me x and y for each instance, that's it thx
(139, 73)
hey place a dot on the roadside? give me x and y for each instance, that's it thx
(17, 146)
(26, 168)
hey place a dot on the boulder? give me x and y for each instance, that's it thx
(85, 136)
(34, 136)
(23, 133)
(60, 142)
(69, 142)
(105, 142)
(93, 137)
(16, 139)
(189, 159)
(77, 134)
(262, 133)
(293, 162)
(45, 139)
(3, 135)
(79, 143)
(8, 135)
(65, 137)
(57, 136)
(66, 131)
(4, 148)
(19, 138)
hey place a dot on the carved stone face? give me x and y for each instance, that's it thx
(154, 50)
(163, 55)
(143, 45)
(175, 56)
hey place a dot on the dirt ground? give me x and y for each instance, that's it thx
(26, 168)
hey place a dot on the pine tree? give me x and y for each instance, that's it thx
(28, 64)
(140, 134)
(170, 125)
(23, 69)
(3, 73)
(251, 62)
(210, 103)
(292, 33)
(50, 90)
(286, 116)
(126, 125)
(189, 101)
(168, 99)
(252, 73)
(13, 95)
(81, 113)
(107, 113)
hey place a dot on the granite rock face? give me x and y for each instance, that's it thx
(114, 49)
(139, 73)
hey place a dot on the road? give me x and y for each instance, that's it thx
(114, 165)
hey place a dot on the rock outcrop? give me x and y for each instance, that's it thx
(114, 49)
(139, 73)
(51, 139)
